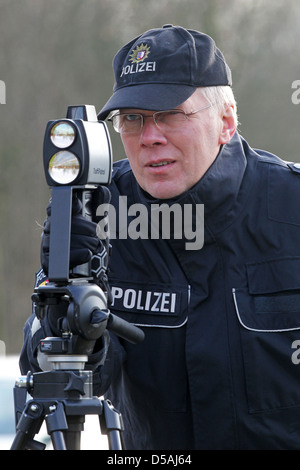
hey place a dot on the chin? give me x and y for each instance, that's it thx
(164, 193)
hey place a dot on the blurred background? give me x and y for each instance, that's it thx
(58, 53)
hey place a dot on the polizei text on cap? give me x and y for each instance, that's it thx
(140, 67)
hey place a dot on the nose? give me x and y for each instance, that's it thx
(151, 134)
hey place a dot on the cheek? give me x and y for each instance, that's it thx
(131, 151)
(126, 144)
(200, 156)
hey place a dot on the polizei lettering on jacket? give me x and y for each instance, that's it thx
(139, 67)
(146, 300)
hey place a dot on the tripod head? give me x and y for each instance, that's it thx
(86, 320)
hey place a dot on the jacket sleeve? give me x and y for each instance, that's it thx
(108, 369)
(33, 333)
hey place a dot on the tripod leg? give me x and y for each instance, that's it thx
(73, 434)
(29, 424)
(58, 441)
(56, 423)
(111, 423)
(114, 439)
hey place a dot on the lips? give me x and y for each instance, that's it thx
(159, 164)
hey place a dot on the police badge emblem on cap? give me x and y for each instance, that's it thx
(140, 53)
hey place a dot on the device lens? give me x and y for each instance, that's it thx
(62, 135)
(64, 167)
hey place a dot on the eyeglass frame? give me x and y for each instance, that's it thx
(181, 111)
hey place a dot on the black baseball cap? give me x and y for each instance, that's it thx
(162, 68)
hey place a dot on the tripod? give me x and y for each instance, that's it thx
(57, 400)
(64, 395)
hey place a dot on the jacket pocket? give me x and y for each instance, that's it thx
(268, 311)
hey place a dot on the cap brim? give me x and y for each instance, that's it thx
(155, 97)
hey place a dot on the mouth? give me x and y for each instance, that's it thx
(163, 163)
(160, 165)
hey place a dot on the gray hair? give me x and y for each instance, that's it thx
(221, 96)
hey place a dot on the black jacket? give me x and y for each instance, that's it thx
(218, 368)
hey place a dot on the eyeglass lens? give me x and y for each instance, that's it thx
(165, 120)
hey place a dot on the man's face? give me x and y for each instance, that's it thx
(166, 164)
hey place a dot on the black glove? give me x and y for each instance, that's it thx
(100, 260)
(84, 241)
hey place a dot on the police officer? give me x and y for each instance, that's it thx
(219, 366)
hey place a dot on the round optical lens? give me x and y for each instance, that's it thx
(62, 135)
(64, 167)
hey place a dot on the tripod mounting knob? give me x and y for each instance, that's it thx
(84, 300)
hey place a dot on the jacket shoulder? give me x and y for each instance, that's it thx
(284, 192)
(121, 168)
(121, 179)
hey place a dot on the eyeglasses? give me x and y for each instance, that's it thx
(132, 123)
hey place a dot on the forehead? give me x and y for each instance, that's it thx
(196, 99)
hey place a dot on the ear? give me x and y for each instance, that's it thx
(229, 125)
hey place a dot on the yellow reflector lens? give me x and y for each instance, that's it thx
(64, 167)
